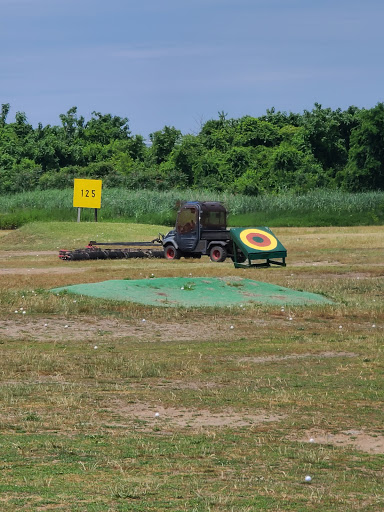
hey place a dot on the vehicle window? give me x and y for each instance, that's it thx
(213, 220)
(186, 221)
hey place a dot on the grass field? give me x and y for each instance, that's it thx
(112, 406)
(315, 208)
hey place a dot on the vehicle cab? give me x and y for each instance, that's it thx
(198, 226)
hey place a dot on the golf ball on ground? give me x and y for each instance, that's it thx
(308, 479)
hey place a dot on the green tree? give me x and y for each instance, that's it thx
(327, 138)
(293, 169)
(5, 107)
(73, 126)
(163, 143)
(258, 178)
(184, 158)
(50, 150)
(209, 170)
(218, 133)
(105, 128)
(281, 119)
(253, 132)
(365, 169)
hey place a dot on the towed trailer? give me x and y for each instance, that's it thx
(201, 229)
(114, 250)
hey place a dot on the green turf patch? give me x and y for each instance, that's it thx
(195, 292)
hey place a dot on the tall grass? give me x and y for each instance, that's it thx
(316, 208)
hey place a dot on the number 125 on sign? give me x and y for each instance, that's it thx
(87, 193)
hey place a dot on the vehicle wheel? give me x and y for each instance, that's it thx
(218, 253)
(171, 253)
(240, 257)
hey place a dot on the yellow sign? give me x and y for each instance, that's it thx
(87, 193)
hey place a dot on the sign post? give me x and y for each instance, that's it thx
(87, 194)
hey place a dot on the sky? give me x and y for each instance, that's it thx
(181, 62)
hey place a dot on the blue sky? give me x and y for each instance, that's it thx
(180, 62)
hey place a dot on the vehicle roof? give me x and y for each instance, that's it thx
(207, 206)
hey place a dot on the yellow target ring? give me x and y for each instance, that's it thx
(258, 239)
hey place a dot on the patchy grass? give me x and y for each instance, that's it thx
(57, 235)
(115, 406)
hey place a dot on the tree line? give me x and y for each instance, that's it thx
(278, 151)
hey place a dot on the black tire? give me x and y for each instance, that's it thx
(171, 253)
(240, 257)
(218, 253)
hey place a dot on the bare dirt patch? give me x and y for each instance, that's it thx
(178, 384)
(46, 270)
(321, 355)
(162, 417)
(358, 439)
(23, 254)
(90, 329)
(334, 275)
(318, 263)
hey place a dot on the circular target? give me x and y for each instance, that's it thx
(258, 239)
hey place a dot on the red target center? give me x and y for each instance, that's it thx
(258, 239)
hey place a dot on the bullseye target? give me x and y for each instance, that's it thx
(258, 239)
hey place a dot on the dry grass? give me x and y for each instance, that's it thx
(83, 379)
